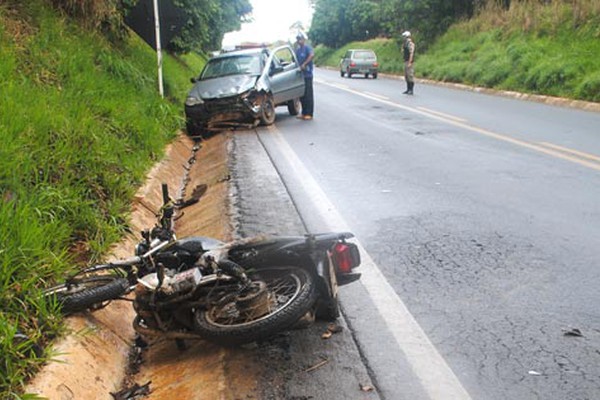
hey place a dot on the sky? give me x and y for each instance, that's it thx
(271, 21)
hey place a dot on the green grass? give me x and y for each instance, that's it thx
(548, 49)
(81, 123)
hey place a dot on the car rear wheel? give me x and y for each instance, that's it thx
(375, 75)
(341, 73)
(294, 106)
(366, 76)
(267, 114)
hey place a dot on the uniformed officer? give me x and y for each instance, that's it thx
(409, 55)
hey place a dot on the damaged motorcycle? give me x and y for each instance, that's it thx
(229, 293)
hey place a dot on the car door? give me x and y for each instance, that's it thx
(285, 76)
(345, 62)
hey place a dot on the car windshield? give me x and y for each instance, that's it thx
(364, 55)
(233, 65)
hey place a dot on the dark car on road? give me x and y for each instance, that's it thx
(358, 61)
(243, 87)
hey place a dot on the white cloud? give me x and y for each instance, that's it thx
(271, 21)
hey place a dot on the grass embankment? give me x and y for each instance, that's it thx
(551, 49)
(81, 122)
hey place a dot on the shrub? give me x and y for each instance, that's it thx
(589, 88)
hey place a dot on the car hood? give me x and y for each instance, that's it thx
(225, 86)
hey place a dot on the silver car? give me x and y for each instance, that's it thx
(359, 61)
(243, 87)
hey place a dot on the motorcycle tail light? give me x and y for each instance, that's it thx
(345, 257)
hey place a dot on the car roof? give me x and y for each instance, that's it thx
(243, 52)
(372, 51)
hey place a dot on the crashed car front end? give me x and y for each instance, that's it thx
(223, 102)
(224, 112)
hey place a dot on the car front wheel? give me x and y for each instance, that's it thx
(267, 114)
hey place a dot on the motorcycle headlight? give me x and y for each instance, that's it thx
(193, 101)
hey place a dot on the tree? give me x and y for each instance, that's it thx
(336, 22)
(208, 21)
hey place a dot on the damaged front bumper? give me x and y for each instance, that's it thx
(223, 113)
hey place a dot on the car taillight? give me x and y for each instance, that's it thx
(353, 64)
(345, 256)
(376, 64)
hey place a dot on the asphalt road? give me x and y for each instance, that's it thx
(479, 221)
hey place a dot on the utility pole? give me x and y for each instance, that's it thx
(158, 49)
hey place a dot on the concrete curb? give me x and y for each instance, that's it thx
(92, 359)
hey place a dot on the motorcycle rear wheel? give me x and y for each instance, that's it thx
(292, 293)
(90, 292)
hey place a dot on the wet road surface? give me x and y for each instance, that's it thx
(480, 213)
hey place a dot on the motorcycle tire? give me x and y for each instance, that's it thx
(295, 294)
(88, 292)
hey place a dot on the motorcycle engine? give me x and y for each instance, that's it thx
(173, 283)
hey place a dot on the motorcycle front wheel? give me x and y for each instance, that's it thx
(280, 296)
(90, 292)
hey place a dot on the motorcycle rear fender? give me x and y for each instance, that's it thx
(312, 252)
(269, 248)
(330, 279)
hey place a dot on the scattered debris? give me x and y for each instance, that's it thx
(317, 365)
(331, 329)
(197, 193)
(132, 393)
(573, 332)
(334, 328)
(224, 178)
(366, 388)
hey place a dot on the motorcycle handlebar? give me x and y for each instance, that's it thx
(127, 262)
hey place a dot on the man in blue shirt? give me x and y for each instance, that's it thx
(305, 55)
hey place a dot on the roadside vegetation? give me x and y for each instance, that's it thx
(549, 49)
(81, 123)
(541, 47)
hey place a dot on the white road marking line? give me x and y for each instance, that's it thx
(436, 377)
(532, 146)
(377, 95)
(571, 151)
(441, 114)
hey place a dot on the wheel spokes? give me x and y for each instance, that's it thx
(277, 294)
